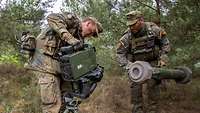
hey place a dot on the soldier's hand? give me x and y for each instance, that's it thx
(128, 66)
(163, 60)
(78, 45)
(161, 63)
(70, 39)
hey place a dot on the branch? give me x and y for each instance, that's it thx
(81, 2)
(145, 4)
(110, 4)
(158, 11)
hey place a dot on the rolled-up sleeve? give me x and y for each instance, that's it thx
(122, 51)
(58, 23)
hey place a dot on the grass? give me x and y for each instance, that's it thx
(19, 94)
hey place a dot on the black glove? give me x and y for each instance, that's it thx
(78, 46)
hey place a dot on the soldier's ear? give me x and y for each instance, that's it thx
(88, 23)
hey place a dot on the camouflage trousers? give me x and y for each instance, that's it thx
(145, 97)
(52, 89)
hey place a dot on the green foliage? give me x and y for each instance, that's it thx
(17, 16)
(182, 25)
(8, 55)
(180, 18)
(20, 15)
(9, 59)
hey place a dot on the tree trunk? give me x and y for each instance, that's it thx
(157, 21)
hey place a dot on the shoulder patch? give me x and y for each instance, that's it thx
(125, 40)
(155, 29)
(69, 16)
(162, 33)
(150, 24)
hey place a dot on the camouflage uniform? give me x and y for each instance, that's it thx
(45, 58)
(148, 44)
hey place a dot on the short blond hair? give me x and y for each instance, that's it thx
(99, 28)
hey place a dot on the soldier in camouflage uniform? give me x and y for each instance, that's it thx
(63, 29)
(143, 41)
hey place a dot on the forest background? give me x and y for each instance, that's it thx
(180, 18)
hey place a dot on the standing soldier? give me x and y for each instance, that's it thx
(63, 30)
(143, 41)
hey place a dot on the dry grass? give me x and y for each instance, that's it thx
(111, 96)
(19, 94)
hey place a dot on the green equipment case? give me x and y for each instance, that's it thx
(77, 64)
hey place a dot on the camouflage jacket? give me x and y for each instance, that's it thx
(132, 47)
(49, 41)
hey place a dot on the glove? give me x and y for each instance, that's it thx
(78, 45)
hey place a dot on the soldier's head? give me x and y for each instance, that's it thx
(91, 27)
(135, 21)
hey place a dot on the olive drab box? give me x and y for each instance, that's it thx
(81, 68)
(77, 64)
